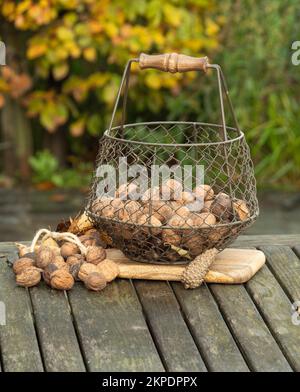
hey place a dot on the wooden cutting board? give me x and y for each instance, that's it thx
(230, 266)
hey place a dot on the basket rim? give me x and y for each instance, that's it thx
(96, 217)
(229, 141)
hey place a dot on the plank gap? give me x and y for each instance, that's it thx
(75, 326)
(230, 329)
(150, 329)
(36, 330)
(277, 340)
(185, 319)
(190, 328)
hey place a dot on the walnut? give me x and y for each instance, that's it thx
(74, 259)
(109, 269)
(174, 236)
(204, 192)
(152, 194)
(241, 209)
(160, 209)
(61, 280)
(194, 243)
(111, 208)
(60, 263)
(101, 204)
(217, 233)
(74, 269)
(30, 255)
(48, 271)
(222, 207)
(88, 240)
(133, 210)
(44, 256)
(152, 221)
(95, 254)
(68, 249)
(86, 269)
(21, 264)
(180, 211)
(171, 190)
(95, 281)
(92, 237)
(29, 277)
(126, 191)
(207, 206)
(186, 198)
(204, 219)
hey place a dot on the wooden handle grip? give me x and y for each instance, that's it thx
(173, 62)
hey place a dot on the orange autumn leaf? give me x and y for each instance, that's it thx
(2, 101)
(77, 128)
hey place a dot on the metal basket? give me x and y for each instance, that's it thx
(152, 229)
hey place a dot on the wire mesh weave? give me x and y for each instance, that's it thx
(130, 223)
(155, 228)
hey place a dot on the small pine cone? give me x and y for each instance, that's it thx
(194, 274)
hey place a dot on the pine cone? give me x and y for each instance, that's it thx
(194, 274)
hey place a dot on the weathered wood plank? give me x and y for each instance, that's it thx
(112, 329)
(168, 328)
(285, 265)
(216, 344)
(248, 241)
(56, 332)
(249, 329)
(19, 345)
(275, 307)
(243, 241)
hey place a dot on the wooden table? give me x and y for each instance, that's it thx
(157, 326)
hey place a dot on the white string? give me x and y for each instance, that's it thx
(70, 237)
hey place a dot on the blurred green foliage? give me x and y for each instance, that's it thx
(46, 170)
(76, 51)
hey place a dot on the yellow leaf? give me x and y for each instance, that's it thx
(211, 28)
(64, 34)
(172, 14)
(8, 8)
(60, 71)
(90, 54)
(153, 81)
(35, 51)
(2, 101)
(111, 29)
(77, 128)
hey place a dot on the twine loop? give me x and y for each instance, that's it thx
(70, 237)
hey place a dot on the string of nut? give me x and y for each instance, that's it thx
(60, 259)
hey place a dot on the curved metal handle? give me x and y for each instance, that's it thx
(173, 62)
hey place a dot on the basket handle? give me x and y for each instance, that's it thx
(173, 62)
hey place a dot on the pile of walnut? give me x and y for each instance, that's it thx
(167, 217)
(60, 265)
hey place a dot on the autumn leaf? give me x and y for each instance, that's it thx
(36, 50)
(77, 128)
(90, 54)
(60, 71)
(2, 101)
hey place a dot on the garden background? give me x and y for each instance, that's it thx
(65, 61)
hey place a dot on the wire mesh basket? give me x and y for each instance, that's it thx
(163, 220)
